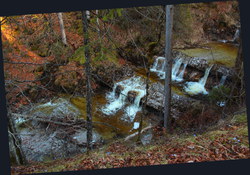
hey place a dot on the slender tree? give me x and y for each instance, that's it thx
(88, 79)
(64, 39)
(98, 24)
(238, 77)
(168, 65)
(15, 143)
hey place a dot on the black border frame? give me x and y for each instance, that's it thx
(13, 7)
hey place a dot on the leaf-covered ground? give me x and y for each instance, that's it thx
(228, 140)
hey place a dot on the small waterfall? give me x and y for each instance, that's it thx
(159, 66)
(194, 88)
(203, 80)
(120, 101)
(176, 68)
(223, 41)
(236, 35)
(179, 78)
(222, 80)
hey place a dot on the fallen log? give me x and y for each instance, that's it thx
(136, 133)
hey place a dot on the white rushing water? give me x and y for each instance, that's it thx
(194, 88)
(236, 35)
(159, 68)
(222, 80)
(119, 101)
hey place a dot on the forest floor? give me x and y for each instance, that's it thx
(227, 140)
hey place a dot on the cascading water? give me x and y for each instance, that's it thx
(194, 88)
(176, 68)
(236, 35)
(222, 81)
(159, 66)
(179, 77)
(118, 98)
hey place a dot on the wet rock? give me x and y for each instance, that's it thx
(193, 76)
(42, 141)
(131, 96)
(155, 96)
(54, 110)
(118, 90)
(178, 54)
(198, 63)
(80, 137)
(107, 73)
(147, 137)
(156, 99)
(42, 145)
(222, 70)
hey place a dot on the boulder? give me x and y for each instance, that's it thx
(131, 96)
(55, 110)
(178, 102)
(107, 73)
(193, 76)
(198, 63)
(118, 90)
(80, 137)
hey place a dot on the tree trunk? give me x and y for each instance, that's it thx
(88, 14)
(239, 58)
(168, 65)
(144, 112)
(64, 40)
(15, 143)
(88, 79)
(239, 77)
(98, 25)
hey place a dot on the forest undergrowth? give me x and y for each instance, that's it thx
(227, 140)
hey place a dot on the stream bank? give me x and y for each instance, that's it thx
(117, 110)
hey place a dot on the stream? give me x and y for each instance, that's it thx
(116, 113)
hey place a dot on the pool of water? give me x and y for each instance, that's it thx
(215, 53)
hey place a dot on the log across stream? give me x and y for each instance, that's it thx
(116, 113)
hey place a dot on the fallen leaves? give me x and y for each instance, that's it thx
(210, 146)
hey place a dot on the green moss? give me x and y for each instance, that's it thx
(213, 134)
(103, 54)
(177, 91)
(243, 131)
(78, 55)
(241, 118)
(218, 94)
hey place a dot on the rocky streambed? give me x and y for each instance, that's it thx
(57, 128)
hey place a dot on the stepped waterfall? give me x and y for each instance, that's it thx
(194, 88)
(177, 72)
(126, 95)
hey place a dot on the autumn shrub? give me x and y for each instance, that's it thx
(197, 118)
(60, 51)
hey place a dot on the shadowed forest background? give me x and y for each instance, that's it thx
(62, 67)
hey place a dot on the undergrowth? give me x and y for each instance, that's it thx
(227, 140)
